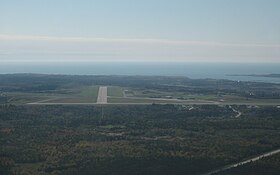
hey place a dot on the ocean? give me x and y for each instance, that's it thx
(191, 70)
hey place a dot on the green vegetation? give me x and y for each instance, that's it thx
(80, 94)
(90, 92)
(135, 139)
(152, 139)
(114, 91)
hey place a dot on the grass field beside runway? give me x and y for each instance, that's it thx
(115, 91)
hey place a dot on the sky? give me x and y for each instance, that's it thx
(140, 31)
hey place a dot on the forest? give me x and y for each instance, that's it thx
(151, 139)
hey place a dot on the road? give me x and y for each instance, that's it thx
(43, 101)
(148, 103)
(243, 162)
(96, 104)
(102, 99)
(234, 110)
(102, 95)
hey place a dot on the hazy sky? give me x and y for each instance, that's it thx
(140, 30)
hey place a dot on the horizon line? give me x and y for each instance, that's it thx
(124, 61)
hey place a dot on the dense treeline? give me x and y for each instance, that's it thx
(152, 139)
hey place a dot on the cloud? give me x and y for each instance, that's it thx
(132, 41)
(45, 48)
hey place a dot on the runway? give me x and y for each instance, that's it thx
(102, 95)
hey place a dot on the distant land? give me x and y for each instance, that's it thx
(257, 75)
(191, 70)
